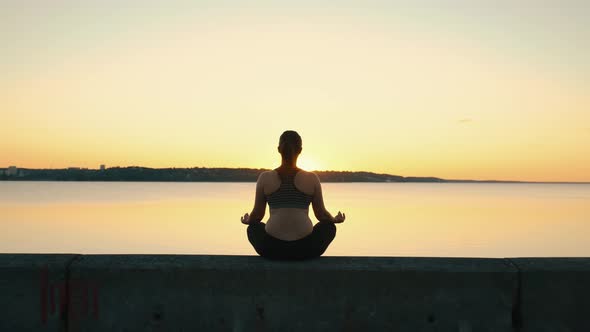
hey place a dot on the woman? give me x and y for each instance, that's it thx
(288, 190)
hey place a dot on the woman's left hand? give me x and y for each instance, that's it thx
(245, 219)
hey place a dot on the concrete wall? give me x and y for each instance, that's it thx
(554, 294)
(244, 293)
(33, 292)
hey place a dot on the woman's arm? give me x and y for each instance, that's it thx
(319, 209)
(259, 203)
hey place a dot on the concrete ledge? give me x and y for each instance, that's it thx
(238, 293)
(245, 293)
(33, 292)
(554, 294)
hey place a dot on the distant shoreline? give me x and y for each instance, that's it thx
(204, 174)
(376, 182)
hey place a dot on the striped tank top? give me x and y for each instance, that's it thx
(288, 196)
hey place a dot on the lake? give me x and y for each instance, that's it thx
(383, 219)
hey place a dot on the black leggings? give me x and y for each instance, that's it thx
(311, 246)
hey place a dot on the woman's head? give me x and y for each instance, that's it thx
(290, 145)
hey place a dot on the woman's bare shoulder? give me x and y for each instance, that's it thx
(309, 176)
(266, 174)
(269, 178)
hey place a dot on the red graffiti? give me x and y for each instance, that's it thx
(71, 299)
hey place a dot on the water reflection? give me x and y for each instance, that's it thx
(476, 220)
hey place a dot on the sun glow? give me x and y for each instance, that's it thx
(308, 163)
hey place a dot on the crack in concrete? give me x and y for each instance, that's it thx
(67, 291)
(516, 298)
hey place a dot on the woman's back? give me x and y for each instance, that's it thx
(289, 193)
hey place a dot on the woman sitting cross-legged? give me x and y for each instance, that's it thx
(289, 234)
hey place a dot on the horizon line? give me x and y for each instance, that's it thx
(349, 171)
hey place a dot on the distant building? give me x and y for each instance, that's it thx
(11, 171)
(102, 167)
(74, 168)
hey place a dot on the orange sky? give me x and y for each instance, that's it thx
(435, 90)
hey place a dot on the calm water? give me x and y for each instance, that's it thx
(385, 219)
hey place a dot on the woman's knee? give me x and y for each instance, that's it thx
(256, 228)
(327, 229)
(256, 234)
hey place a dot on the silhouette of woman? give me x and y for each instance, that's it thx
(289, 233)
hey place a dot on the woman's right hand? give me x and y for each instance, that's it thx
(339, 218)
(245, 219)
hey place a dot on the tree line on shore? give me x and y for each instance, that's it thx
(196, 174)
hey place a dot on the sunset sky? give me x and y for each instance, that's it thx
(454, 89)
